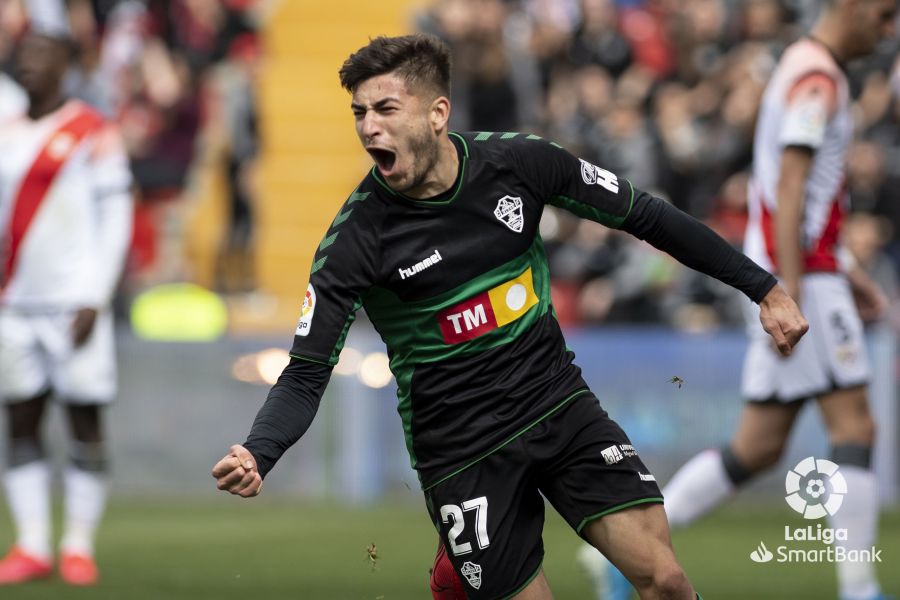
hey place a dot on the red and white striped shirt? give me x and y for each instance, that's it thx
(806, 103)
(65, 209)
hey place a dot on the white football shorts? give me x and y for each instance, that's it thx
(831, 356)
(36, 355)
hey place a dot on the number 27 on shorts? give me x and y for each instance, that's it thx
(456, 515)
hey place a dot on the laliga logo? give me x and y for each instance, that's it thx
(306, 312)
(807, 489)
(309, 302)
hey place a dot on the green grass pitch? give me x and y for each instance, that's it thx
(272, 548)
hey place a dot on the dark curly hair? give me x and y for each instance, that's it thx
(422, 60)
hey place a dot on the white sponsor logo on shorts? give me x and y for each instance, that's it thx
(646, 477)
(627, 450)
(612, 455)
(472, 573)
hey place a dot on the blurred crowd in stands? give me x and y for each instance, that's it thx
(178, 77)
(664, 93)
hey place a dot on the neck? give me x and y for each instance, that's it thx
(830, 31)
(443, 173)
(39, 107)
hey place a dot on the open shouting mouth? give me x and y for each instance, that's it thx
(385, 159)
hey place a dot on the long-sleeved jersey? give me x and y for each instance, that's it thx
(65, 209)
(459, 290)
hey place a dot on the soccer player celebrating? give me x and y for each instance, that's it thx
(797, 201)
(440, 245)
(65, 222)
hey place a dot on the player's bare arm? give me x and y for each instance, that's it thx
(83, 325)
(236, 473)
(796, 162)
(871, 301)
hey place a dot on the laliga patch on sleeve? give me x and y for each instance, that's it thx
(306, 312)
(805, 122)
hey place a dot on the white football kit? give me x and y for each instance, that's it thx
(806, 103)
(65, 225)
(13, 101)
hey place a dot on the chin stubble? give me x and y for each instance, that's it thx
(424, 150)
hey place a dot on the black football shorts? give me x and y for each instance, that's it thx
(491, 514)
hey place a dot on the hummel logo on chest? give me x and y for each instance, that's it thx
(420, 266)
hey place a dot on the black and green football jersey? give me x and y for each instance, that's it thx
(459, 290)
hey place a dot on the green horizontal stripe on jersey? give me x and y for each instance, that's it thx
(510, 439)
(413, 336)
(587, 211)
(411, 330)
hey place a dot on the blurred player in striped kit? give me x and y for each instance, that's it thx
(65, 223)
(797, 201)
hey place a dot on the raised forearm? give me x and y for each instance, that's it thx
(287, 413)
(695, 245)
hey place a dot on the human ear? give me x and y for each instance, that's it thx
(440, 113)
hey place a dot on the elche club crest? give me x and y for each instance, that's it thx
(472, 573)
(509, 212)
(815, 488)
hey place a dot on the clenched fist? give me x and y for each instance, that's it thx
(781, 318)
(236, 473)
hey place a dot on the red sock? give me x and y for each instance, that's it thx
(445, 583)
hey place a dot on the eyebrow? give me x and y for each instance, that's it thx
(380, 104)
